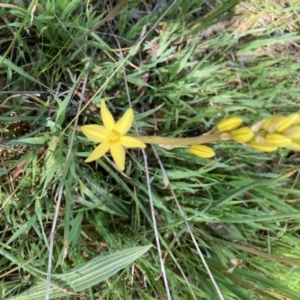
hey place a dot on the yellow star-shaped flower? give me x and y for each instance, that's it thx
(112, 136)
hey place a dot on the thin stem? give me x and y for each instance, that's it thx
(61, 189)
(156, 231)
(159, 140)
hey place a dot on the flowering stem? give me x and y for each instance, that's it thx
(159, 140)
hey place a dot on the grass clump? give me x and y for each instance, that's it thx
(171, 225)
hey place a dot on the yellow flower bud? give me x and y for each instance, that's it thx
(289, 121)
(292, 132)
(262, 147)
(242, 135)
(297, 121)
(267, 123)
(202, 151)
(229, 124)
(277, 139)
(280, 123)
(294, 146)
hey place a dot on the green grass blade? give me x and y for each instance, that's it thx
(86, 275)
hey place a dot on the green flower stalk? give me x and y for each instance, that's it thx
(170, 143)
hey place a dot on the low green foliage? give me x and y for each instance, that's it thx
(221, 228)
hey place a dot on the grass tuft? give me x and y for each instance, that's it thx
(172, 225)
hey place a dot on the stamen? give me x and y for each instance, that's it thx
(114, 135)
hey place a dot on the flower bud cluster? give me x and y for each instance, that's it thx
(267, 135)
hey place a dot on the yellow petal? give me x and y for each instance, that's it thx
(118, 153)
(107, 117)
(242, 135)
(202, 151)
(131, 142)
(99, 151)
(124, 124)
(95, 133)
(229, 124)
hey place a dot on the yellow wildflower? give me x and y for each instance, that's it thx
(202, 151)
(112, 136)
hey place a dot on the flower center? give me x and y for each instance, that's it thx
(114, 135)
